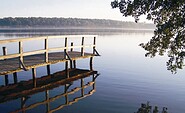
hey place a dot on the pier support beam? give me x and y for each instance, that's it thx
(48, 70)
(6, 76)
(71, 62)
(6, 80)
(15, 77)
(74, 64)
(91, 63)
(46, 48)
(66, 96)
(21, 53)
(34, 77)
(23, 101)
(82, 48)
(66, 69)
(82, 87)
(48, 103)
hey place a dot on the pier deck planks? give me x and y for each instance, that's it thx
(33, 61)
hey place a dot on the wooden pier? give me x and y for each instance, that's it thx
(26, 60)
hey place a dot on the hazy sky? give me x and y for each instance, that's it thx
(99, 9)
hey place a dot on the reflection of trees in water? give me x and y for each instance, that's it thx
(146, 108)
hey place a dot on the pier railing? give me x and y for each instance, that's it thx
(21, 54)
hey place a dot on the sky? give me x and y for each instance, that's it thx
(93, 9)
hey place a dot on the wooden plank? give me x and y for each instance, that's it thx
(57, 48)
(34, 52)
(39, 52)
(44, 37)
(9, 56)
(20, 39)
(34, 61)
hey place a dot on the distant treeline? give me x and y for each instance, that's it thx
(69, 22)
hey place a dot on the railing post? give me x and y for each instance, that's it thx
(65, 50)
(4, 51)
(46, 48)
(94, 45)
(65, 57)
(82, 48)
(21, 53)
(71, 46)
(71, 62)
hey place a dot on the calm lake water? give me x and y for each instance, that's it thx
(127, 78)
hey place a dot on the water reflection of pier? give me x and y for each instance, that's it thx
(23, 90)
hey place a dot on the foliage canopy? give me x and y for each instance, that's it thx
(169, 35)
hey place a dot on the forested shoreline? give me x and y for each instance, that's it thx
(41, 22)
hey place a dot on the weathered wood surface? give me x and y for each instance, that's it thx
(26, 60)
(33, 61)
(24, 88)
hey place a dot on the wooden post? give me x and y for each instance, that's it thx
(65, 50)
(82, 87)
(6, 80)
(66, 96)
(34, 77)
(23, 102)
(48, 69)
(46, 48)
(71, 46)
(21, 53)
(91, 63)
(74, 64)
(93, 80)
(15, 77)
(82, 48)
(6, 76)
(71, 62)
(4, 51)
(65, 57)
(48, 103)
(94, 45)
(66, 69)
